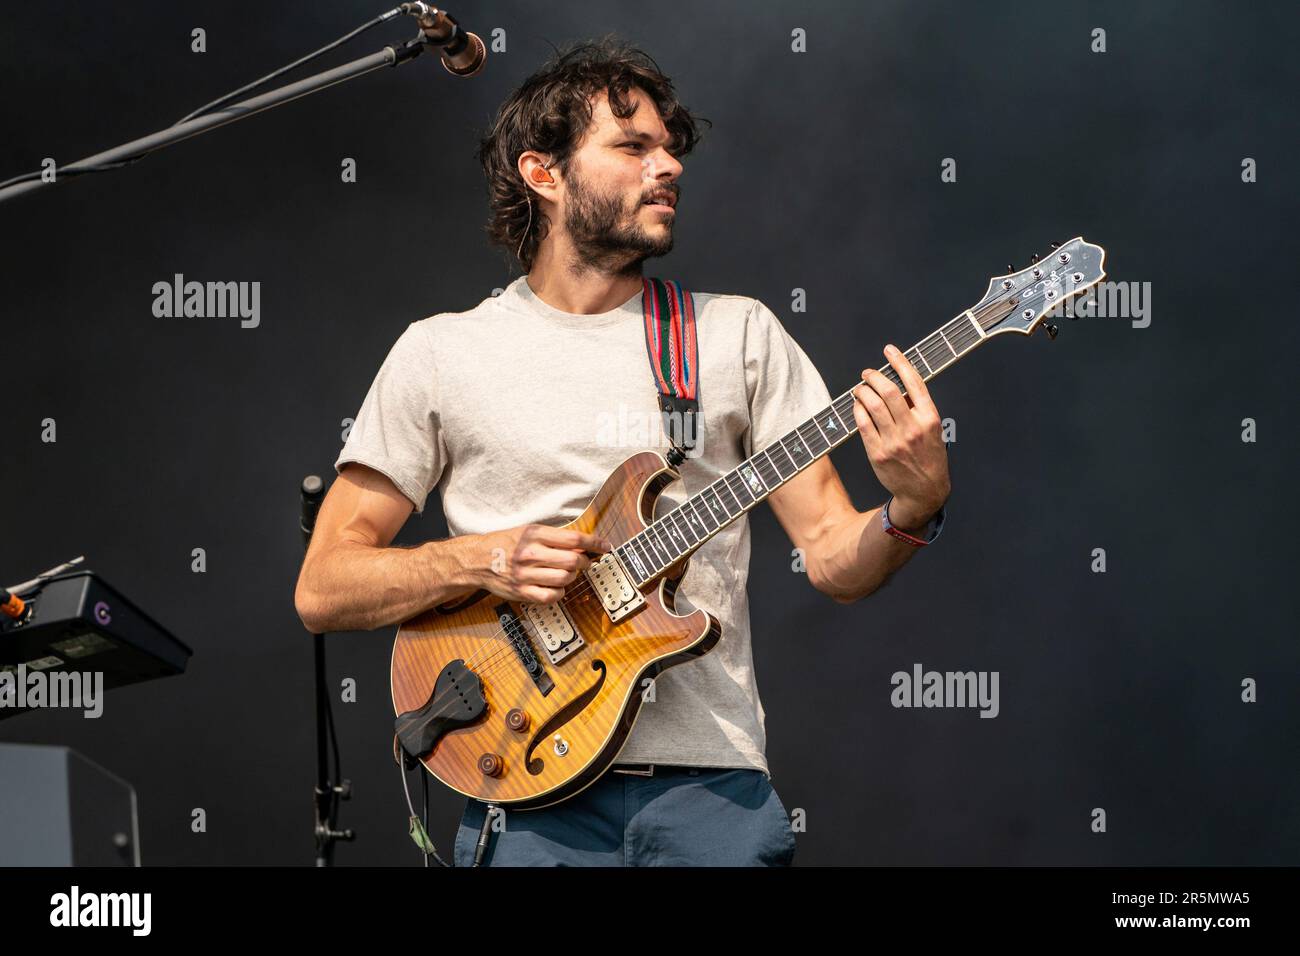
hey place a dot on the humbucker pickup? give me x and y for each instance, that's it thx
(552, 624)
(615, 589)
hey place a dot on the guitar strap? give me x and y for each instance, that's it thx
(669, 318)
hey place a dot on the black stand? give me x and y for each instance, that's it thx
(328, 794)
(129, 152)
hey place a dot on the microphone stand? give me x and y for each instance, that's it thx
(129, 152)
(327, 794)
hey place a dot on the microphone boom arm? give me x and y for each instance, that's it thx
(462, 55)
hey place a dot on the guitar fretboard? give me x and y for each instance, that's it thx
(668, 539)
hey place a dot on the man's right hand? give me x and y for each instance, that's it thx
(534, 563)
(353, 579)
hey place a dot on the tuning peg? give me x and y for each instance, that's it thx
(1054, 245)
(1051, 330)
(1010, 268)
(1033, 260)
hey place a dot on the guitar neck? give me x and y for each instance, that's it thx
(675, 535)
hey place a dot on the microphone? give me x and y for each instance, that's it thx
(463, 53)
(313, 491)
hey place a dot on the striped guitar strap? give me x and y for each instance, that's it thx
(669, 318)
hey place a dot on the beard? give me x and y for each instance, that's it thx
(606, 232)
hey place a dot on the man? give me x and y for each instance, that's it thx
(516, 411)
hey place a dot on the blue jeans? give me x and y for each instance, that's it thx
(681, 816)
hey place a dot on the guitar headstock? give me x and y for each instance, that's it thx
(1018, 301)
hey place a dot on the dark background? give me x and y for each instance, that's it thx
(1118, 690)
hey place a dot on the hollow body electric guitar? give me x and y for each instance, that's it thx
(525, 705)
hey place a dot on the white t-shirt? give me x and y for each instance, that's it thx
(517, 412)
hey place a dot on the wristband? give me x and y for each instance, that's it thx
(931, 530)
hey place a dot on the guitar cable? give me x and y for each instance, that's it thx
(424, 786)
(419, 825)
(418, 829)
(485, 833)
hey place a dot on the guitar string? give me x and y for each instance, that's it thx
(496, 653)
(478, 661)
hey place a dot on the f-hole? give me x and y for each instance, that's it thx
(562, 717)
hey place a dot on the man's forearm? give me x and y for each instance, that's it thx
(859, 556)
(357, 587)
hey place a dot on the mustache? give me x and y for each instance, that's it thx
(665, 191)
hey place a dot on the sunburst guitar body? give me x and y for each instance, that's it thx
(525, 705)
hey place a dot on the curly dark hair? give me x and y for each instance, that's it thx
(550, 113)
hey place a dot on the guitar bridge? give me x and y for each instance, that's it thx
(617, 593)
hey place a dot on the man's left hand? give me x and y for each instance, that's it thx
(904, 441)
